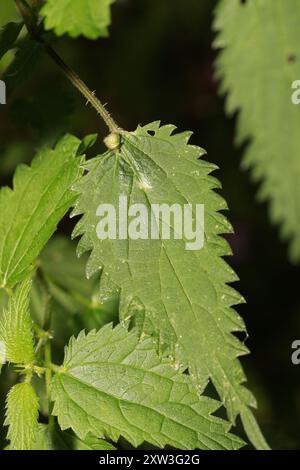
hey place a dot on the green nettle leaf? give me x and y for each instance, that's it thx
(257, 67)
(16, 327)
(90, 18)
(47, 439)
(111, 384)
(8, 36)
(22, 416)
(30, 212)
(180, 296)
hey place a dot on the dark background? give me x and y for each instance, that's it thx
(158, 64)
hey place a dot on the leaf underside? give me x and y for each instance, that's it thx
(113, 385)
(16, 327)
(181, 297)
(258, 62)
(22, 416)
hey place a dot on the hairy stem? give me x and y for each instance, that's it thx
(30, 21)
(27, 14)
(84, 90)
(45, 338)
(48, 379)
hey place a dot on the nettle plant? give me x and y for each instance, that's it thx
(153, 324)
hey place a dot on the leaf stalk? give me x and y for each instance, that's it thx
(31, 22)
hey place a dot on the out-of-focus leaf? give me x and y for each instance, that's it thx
(58, 440)
(26, 61)
(90, 18)
(74, 303)
(257, 65)
(87, 142)
(8, 36)
(14, 153)
(8, 12)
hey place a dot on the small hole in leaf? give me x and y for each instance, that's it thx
(243, 2)
(151, 133)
